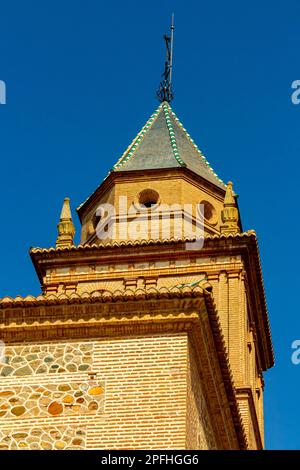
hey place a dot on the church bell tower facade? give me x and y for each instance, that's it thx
(152, 332)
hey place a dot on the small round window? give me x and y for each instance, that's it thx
(95, 221)
(148, 198)
(209, 212)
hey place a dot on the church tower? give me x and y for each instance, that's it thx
(152, 332)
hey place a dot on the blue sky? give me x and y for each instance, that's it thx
(81, 78)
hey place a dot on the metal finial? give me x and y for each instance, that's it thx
(165, 92)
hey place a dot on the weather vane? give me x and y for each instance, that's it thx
(165, 92)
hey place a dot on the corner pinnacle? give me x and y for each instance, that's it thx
(230, 213)
(66, 229)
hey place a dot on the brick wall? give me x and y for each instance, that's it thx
(199, 433)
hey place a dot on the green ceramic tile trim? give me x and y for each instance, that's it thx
(133, 146)
(166, 109)
(195, 146)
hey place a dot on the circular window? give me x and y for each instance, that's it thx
(95, 221)
(209, 212)
(148, 198)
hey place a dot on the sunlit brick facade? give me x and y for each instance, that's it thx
(141, 341)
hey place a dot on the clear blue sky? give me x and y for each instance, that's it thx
(81, 79)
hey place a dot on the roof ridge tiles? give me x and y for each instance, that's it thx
(116, 244)
(103, 296)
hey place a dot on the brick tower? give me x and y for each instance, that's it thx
(145, 336)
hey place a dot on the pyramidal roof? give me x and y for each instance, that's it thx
(164, 143)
